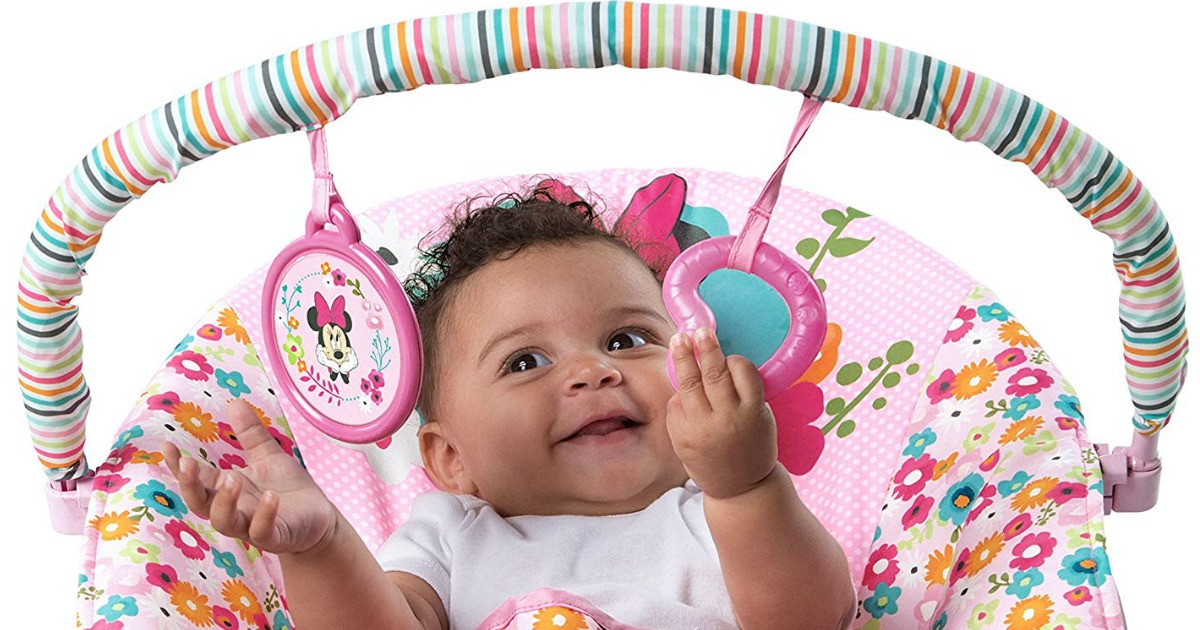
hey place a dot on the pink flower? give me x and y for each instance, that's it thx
(882, 567)
(227, 435)
(1032, 551)
(165, 401)
(913, 475)
(187, 540)
(1009, 358)
(1066, 491)
(1078, 596)
(1017, 526)
(229, 461)
(209, 332)
(109, 483)
(374, 322)
(376, 397)
(1028, 381)
(961, 324)
(376, 378)
(917, 512)
(942, 388)
(161, 575)
(104, 624)
(985, 501)
(224, 617)
(366, 386)
(339, 278)
(1067, 424)
(990, 461)
(191, 364)
(284, 441)
(800, 443)
(961, 566)
(117, 459)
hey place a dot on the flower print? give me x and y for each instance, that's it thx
(114, 525)
(325, 268)
(974, 379)
(941, 622)
(1044, 441)
(229, 322)
(165, 401)
(990, 461)
(209, 332)
(241, 599)
(183, 344)
(917, 512)
(961, 325)
(1067, 490)
(983, 615)
(1069, 405)
(374, 322)
(983, 502)
(944, 466)
(187, 540)
(1009, 358)
(952, 413)
(1063, 621)
(301, 366)
(1023, 582)
(1021, 405)
(117, 607)
(376, 396)
(558, 618)
(339, 278)
(1018, 526)
(978, 344)
(1030, 614)
(961, 567)
(918, 442)
(883, 601)
(138, 551)
(956, 504)
(941, 388)
(985, 551)
(1079, 537)
(284, 441)
(232, 382)
(937, 568)
(978, 436)
(227, 435)
(224, 618)
(1028, 381)
(1032, 551)
(190, 603)
(1014, 485)
(119, 457)
(127, 435)
(1088, 565)
(153, 494)
(376, 378)
(1078, 596)
(914, 473)
(150, 458)
(1021, 429)
(993, 312)
(1067, 424)
(292, 348)
(109, 483)
(197, 423)
(1014, 334)
(229, 461)
(163, 576)
(293, 323)
(365, 385)
(1034, 494)
(881, 567)
(280, 621)
(227, 561)
(192, 365)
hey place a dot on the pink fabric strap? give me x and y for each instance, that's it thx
(323, 188)
(742, 255)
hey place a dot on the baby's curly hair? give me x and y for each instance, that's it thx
(508, 223)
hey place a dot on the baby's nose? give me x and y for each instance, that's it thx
(591, 373)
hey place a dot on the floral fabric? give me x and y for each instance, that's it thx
(993, 516)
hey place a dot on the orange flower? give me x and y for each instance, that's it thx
(114, 526)
(1034, 494)
(195, 421)
(191, 604)
(293, 323)
(986, 551)
(1014, 334)
(1021, 429)
(301, 366)
(147, 457)
(944, 466)
(558, 618)
(262, 415)
(974, 379)
(827, 357)
(241, 599)
(937, 569)
(229, 322)
(1030, 614)
(325, 268)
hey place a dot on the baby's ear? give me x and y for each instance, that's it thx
(442, 460)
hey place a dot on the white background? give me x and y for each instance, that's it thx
(75, 73)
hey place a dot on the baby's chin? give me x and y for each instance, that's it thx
(588, 497)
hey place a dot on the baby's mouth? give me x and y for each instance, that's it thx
(604, 427)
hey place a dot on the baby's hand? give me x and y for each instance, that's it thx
(719, 424)
(273, 503)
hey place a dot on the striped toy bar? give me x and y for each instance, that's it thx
(313, 85)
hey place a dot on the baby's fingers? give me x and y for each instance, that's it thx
(687, 375)
(718, 383)
(263, 531)
(224, 515)
(193, 487)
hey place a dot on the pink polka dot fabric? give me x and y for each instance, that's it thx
(890, 294)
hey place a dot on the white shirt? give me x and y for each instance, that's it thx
(656, 568)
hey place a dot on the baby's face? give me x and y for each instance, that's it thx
(539, 346)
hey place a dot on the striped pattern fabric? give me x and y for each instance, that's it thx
(311, 86)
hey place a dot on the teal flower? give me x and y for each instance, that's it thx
(1070, 406)
(1014, 485)
(919, 442)
(883, 601)
(228, 562)
(956, 505)
(118, 607)
(232, 382)
(1024, 581)
(280, 621)
(154, 495)
(993, 312)
(183, 344)
(941, 622)
(126, 436)
(1019, 406)
(1086, 565)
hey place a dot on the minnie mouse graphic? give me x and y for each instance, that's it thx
(332, 322)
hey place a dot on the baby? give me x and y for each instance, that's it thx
(564, 457)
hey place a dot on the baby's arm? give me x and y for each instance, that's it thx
(330, 577)
(781, 567)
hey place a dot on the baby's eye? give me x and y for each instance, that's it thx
(523, 361)
(631, 337)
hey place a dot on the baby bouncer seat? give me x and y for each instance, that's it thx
(976, 498)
